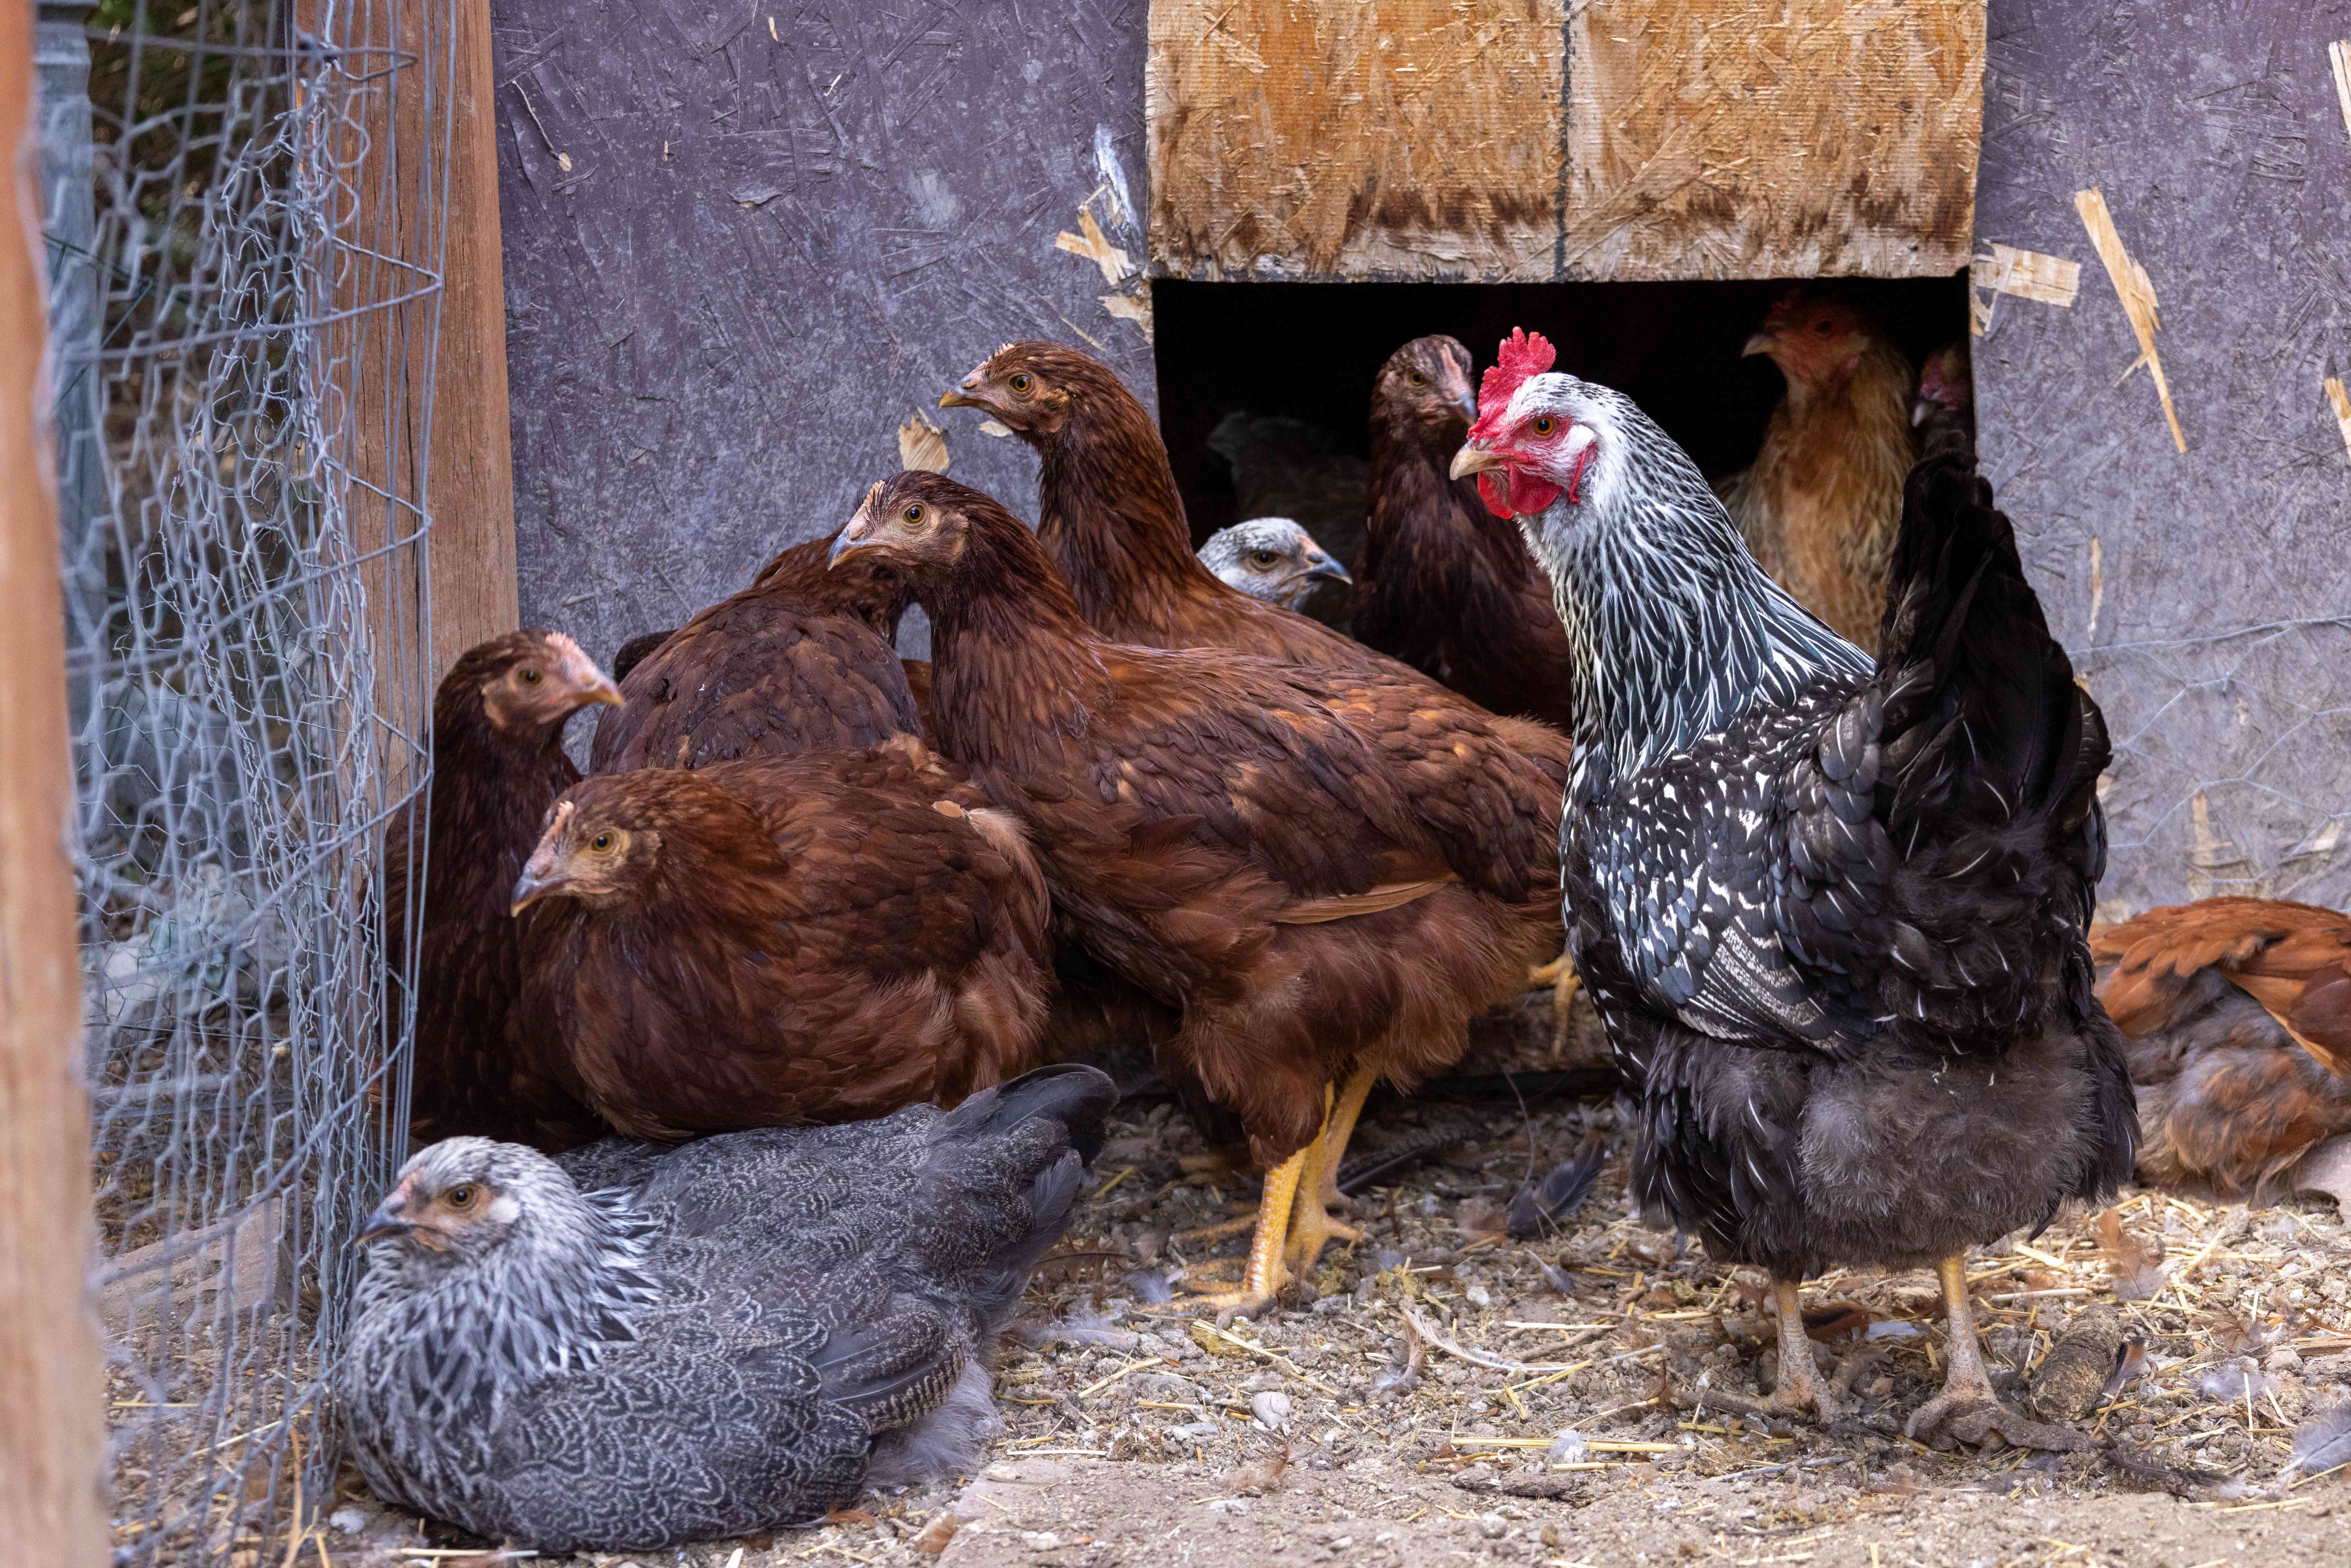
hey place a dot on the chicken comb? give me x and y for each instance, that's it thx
(1521, 355)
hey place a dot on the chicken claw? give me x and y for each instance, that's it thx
(1802, 1387)
(1265, 1274)
(1559, 974)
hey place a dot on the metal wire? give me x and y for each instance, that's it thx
(244, 205)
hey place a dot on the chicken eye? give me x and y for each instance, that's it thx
(1263, 558)
(1021, 383)
(1544, 424)
(1823, 327)
(601, 842)
(462, 1196)
(531, 677)
(1418, 380)
(913, 514)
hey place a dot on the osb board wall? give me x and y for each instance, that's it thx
(745, 242)
(1524, 139)
(1380, 139)
(2206, 595)
(1731, 139)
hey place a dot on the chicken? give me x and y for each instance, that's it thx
(1447, 587)
(1288, 468)
(2238, 1011)
(1271, 559)
(1944, 413)
(498, 764)
(1821, 504)
(1112, 523)
(1326, 875)
(782, 940)
(633, 651)
(802, 660)
(640, 1347)
(1832, 912)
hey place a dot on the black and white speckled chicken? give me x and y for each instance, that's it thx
(1832, 912)
(637, 1346)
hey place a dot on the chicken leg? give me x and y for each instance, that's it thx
(1967, 1385)
(1339, 1128)
(1801, 1385)
(1264, 1275)
(1312, 1226)
(1565, 982)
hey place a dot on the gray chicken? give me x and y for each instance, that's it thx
(637, 1346)
(1832, 911)
(1271, 559)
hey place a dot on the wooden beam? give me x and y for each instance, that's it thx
(53, 1436)
(470, 486)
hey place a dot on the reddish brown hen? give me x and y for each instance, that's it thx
(498, 764)
(782, 940)
(2238, 1017)
(1326, 875)
(1823, 502)
(802, 660)
(1112, 519)
(1447, 586)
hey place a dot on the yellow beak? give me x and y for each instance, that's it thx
(1475, 460)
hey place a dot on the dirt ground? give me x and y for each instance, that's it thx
(1410, 1407)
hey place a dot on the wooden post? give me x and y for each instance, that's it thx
(471, 482)
(53, 1434)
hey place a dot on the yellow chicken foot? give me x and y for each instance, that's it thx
(1801, 1387)
(1337, 1128)
(1967, 1386)
(1216, 1232)
(1565, 982)
(1264, 1275)
(1312, 1226)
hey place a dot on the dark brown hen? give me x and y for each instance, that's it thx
(783, 940)
(2238, 1013)
(498, 764)
(1326, 875)
(1445, 585)
(802, 660)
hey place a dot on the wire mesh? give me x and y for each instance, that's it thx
(244, 225)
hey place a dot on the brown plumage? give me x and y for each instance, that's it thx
(1821, 504)
(1326, 874)
(1446, 586)
(498, 764)
(1111, 520)
(802, 660)
(782, 940)
(2239, 1016)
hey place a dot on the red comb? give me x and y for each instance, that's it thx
(1522, 354)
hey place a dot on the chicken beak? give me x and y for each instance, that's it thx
(1466, 406)
(1474, 459)
(1920, 410)
(963, 397)
(528, 889)
(844, 545)
(1761, 344)
(1325, 569)
(387, 1220)
(602, 692)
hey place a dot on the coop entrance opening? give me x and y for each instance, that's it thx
(1264, 388)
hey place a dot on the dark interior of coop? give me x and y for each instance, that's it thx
(1264, 388)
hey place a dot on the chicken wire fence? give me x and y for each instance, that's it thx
(242, 220)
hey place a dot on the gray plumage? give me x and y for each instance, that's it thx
(1832, 911)
(1271, 559)
(636, 1346)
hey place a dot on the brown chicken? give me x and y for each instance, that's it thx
(1326, 874)
(1823, 501)
(802, 660)
(498, 764)
(1111, 520)
(2237, 1012)
(783, 940)
(1944, 413)
(1447, 586)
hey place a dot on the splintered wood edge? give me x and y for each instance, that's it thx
(2338, 54)
(2027, 274)
(2136, 291)
(2342, 402)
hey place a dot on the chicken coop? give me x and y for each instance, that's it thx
(376, 326)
